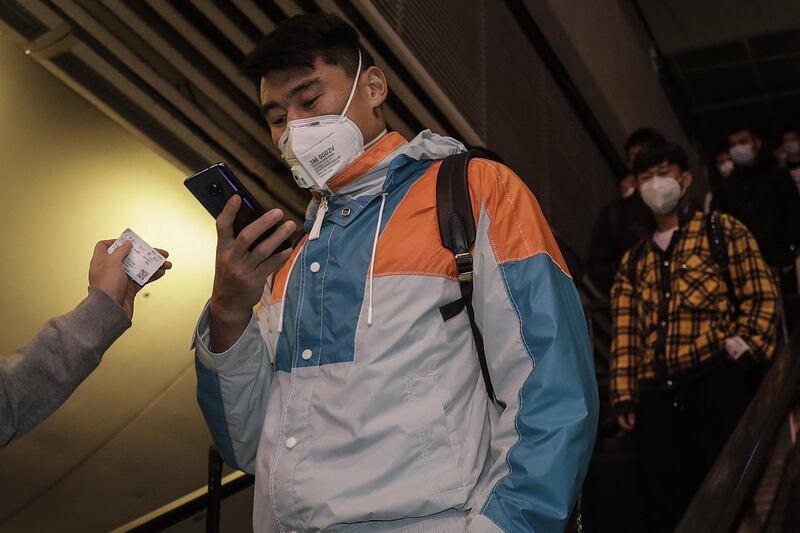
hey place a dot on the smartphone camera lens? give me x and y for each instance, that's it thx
(214, 189)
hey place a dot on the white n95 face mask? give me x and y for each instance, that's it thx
(725, 168)
(317, 148)
(661, 193)
(743, 154)
(791, 148)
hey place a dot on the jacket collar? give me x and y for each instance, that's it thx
(366, 162)
(376, 171)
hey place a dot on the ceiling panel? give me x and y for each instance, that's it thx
(721, 85)
(713, 56)
(168, 71)
(734, 62)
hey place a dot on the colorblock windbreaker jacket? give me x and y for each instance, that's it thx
(359, 409)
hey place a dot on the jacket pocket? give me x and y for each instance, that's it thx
(436, 447)
(698, 285)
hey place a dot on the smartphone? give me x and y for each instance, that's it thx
(214, 186)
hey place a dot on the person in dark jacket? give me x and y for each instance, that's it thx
(764, 197)
(791, 147)
(621, 223)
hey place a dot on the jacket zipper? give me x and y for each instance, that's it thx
(315, 229)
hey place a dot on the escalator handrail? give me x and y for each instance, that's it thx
(721, 500)
(186, 506)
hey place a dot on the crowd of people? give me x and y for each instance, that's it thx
(695, 296)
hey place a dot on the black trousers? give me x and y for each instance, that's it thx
(680, 432)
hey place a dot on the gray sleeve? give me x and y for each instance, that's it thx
(40, 376)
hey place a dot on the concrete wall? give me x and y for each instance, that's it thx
(131, 438)
(598, 45)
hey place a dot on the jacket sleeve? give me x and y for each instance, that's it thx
(232, 389)
(626, 343)
(39, 377)
(757, 320)
(539, 359)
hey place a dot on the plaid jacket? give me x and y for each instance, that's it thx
(671, 324)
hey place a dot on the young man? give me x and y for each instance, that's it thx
(791, 147)
(764, 198)
(622, 222)
(681, 347)
(356, 405)
(724, 163)
(41, 375)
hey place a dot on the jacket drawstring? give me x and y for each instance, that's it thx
(372, 259)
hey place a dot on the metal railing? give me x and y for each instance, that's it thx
(720, 503)
(206, 499)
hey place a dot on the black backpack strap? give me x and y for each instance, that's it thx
(456, 222)
(719, 253)
(457, 231)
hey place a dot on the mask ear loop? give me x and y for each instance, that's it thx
(352, 90)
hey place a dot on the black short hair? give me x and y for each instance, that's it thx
(790, 127)
(653, 155)
(754, 131)
(299, 40)
(643, 136)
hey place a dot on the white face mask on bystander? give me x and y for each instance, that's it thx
(725, 168)
(743, 154)
(661, 193)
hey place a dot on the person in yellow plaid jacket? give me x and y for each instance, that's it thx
(684, 345)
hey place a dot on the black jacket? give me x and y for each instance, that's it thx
(766, 200)
(620, 225)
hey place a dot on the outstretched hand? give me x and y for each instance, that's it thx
(107, 273)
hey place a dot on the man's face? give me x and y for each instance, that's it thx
(665, 169)
(743, 138)
(304, 93)
(725, 164)
(723, 157)
(791, 147)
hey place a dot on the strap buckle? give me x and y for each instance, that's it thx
(464, 267)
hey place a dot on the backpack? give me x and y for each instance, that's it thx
(457, 231)
(719, 254)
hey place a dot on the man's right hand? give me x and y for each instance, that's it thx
(627, 421)
(240, 274)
